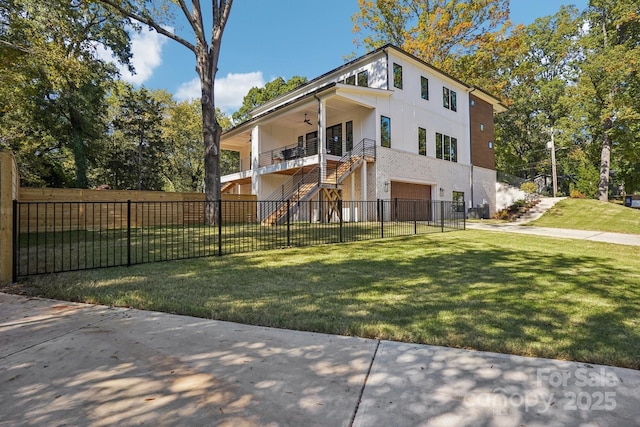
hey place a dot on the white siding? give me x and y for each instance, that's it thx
(484, 187)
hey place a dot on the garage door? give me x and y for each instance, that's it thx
(410, 201)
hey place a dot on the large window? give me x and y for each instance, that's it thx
(385, 131)
(422, 141)
(363, 78)
(397, 75)
(446, 147)
(449, 99)
(424, 88)
(458, 201)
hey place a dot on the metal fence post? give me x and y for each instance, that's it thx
(442, 215)
(289, 222)
(219, 218)
(340, 215)
(128, 233)
(381, 217)
(415, 218)
(464, 214)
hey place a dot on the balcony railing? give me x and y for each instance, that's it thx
(289, 152)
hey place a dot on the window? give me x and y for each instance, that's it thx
(334, 140)
(446, 147)
(454, 150)
(449, 99)
(349, 131)
(458, 201)
(397, 76)
(481, 127)
(351, 80)
(385, 131)
(424, 88)
(363, 78)
(422, 141)
(311, 143)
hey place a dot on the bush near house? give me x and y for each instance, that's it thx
(517, 209)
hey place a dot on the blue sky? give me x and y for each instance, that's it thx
(267, 39)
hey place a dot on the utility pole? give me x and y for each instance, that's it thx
(551, 145)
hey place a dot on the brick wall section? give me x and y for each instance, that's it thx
(481, 114)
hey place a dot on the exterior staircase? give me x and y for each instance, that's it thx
(303, 186)
(226, 186)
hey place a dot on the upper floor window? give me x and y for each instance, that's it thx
(385, 131)
(351, 80)
(397, 75)
(449, 99)
(446, 147)
(424, 88)
(363, 78)
(422, 141)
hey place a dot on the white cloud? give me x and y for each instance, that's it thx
(146, 50)
(229, 90)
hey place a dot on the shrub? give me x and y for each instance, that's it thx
(529, 187)
(575, 194)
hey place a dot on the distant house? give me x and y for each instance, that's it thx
(385, 126)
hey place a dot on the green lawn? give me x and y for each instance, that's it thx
(499, 292)
(585, 214)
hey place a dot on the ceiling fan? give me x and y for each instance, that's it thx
(306, 120)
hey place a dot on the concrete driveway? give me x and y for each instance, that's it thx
(75, 364)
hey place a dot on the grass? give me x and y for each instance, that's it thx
(585, 214)
(501, 292)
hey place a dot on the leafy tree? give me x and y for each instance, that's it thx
(152, 14)
(53, 114)
(536, 81)
(138, 152)
(258, 96)
(437, 31)
(609, 86)
(182, 130)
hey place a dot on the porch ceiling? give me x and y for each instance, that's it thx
(340, 101)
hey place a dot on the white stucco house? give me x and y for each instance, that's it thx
(386, 125)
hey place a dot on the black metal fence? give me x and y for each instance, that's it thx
(51, 237)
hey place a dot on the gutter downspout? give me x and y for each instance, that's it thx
(470, 148)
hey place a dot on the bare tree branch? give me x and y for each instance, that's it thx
(149, 22)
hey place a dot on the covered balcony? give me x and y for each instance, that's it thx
(287, 137)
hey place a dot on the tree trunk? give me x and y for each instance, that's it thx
(79, 150)
(211, 134)
(605, 162)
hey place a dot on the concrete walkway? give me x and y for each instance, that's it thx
(545, 204)
(564, 233)
(75, 364)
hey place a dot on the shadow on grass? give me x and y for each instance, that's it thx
(543, 301)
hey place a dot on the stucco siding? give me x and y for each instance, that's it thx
(484, 187)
